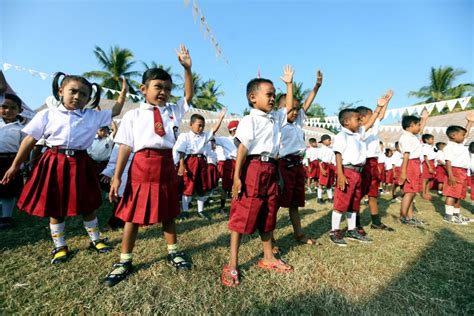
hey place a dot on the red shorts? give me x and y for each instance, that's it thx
(328, 180)
(195, 176)
(313, 170)
(389, 176)
(228, 168)
(151, 193)
(370, 178)
(349, 199)
(471, 178)
(440, 174)
(292, 173)
(396, 174)
(426, 173)
(457, 191)
(258, 204)
(414, 183)
(382, 172)
(220, 168)
(61, 186)
(14, 187)
(212, 175)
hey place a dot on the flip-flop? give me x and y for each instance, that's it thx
(230, 277)
(302, 239)
(278, 266)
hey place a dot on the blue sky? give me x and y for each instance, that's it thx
(362, 47)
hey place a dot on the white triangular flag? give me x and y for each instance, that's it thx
(451, 104)
(186, 3)
(410, 110)
(429, 107)
(43, 75)
(401, 111)
(419, 108)
(33, 72)
(6, 66)
(464, 102)
(440, 105)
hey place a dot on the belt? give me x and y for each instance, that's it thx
(294, 160)
(357, 168)
(69, 152)
(196, 155)
(262, 158)
(7, 155)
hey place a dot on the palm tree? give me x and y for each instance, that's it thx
(441, 85)
(207, 96)
(116, 64)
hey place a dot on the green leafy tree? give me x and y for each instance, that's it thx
(207, 96)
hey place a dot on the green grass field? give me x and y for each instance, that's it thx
(426, 270)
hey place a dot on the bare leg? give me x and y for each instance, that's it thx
(169, 230)
(234, 250)
(130, 231)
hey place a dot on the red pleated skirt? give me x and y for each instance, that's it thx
(151, 193)
(61, 186)
(212, 175)
(14, 187)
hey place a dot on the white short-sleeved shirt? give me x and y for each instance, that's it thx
(110, 169)
(227, 146)
(220, 153)
(388, 163)
(67, 129)
(397, 159)
(471, 169)
(292, 136)
(458, 154)
(410, 143)
(351, 146)
(137, 129)
(439, 158)
(427, 150)
(372, 141)
(191, 143)
(101, 148)
(260, 132)
(326, 154)
(381, 157)
(10, 136)
(312, 153)
(210, 155)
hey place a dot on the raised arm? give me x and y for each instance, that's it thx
(216, 126)
(185, 60)
(381, 104)
(424, 118)
(288, 80)
(309, 100)
(470, 119)
(118, 106)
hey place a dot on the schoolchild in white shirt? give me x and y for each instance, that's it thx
(327, 168)
(428, 155)
(440, 171)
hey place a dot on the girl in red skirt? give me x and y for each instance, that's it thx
(63, 182)
(151, 192)
(440, 171)
(10, 139)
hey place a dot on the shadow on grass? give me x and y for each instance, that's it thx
(439, 281)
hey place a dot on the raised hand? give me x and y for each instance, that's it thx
(319, 79)
(470, 116)
(222, 113)
(184, 57)
(383, 101)
(425, 114)
(288, 72)
(124, 85)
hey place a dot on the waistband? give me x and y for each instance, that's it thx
(196, 156)
(262, 158)
(357, 168)
(7, 155)
(155, 152)
(68, 152)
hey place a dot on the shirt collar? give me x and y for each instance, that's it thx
(257, 112)
(76, 111)
(347, 131)
(17, 122)
(147, 106)
(408, 133)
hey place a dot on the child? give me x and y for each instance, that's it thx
(313, 164)
(101, 149)
(63, 182)
(458, 162)
(212, 167)
(255, 189)
(381, 158)
(388, 166)
(10, 140)
(326, 159)
(227, 166)
(151, 193)
(370, 174)
(410, 173)
(397, 160)
(191, 147)
(440, 171)
(350, 159)
(471, 177)
(292, 148)
(428, 157)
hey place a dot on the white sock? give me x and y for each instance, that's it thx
(7, 207)
(57, 233)
(456, 211)
(173, 248)
(92, 228)
(351, 220)
(329, 191)
(200, 203)
(185, 202)
(336, 220)
(449, 210)
(320, 193)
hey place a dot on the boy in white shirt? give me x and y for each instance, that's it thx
(388, 166)
(313, 163)
(440, 171)
(327, 168)
(101, 149)
(397, 160)
(428, 155)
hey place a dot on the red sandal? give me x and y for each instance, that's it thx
(279, 266)
(303, 239)
(230, 277)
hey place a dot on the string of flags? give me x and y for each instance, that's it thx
(206, 29)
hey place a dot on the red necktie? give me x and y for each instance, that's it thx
(159, 128)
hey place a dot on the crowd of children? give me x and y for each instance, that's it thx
(148, 168)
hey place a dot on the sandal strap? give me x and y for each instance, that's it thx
(58, 249)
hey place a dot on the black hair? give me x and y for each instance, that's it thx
(408, 120)
(380, 142)
(67, 78)
(388, 150)
(196, 117)
(425, 137)
(438, 146)
(15, 99)
(253, 86)
(312, 140)
(346, 114)
(397, 144)
(156, 74)
(471, 147)
(454, 129)
(363, 110)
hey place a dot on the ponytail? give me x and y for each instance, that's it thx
(56, 84)
(96, 99)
